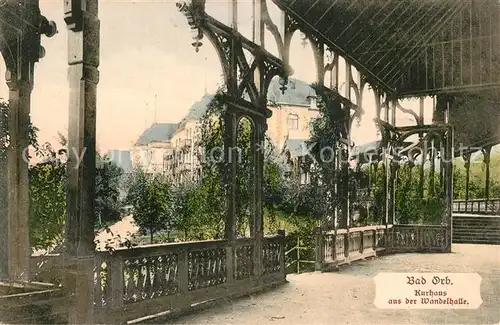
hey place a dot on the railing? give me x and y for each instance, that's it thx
(47, 268)
(477, 206)
(296, 260)
(418, 238)
(345, 246)
(147, 280)
(186, 143)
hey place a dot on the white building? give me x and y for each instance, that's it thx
(171, 148)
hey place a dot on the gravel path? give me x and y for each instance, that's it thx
(346, 297)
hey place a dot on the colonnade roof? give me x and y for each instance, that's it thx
(410, 47)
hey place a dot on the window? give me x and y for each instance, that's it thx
(312, 102)
(292, 122)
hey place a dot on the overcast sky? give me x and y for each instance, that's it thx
(146, 51)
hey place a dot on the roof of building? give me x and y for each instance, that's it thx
(297, 93)
(389, 41)
(157, 132)
(296, 147)
(198, 108)
(121, 158)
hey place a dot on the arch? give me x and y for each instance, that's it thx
(269, 17)
(342, 77)
(8, 56)
(221, 53)
(302, 50)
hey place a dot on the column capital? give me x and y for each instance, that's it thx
(16, 83)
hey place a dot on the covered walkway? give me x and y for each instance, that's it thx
(320, 298)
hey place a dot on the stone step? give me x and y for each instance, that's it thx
(475, 238)
(476, 241)
(482, 227)
(471, 239)
(495, 221)
(479, 225)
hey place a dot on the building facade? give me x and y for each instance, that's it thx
(173, 148)
(152, 147)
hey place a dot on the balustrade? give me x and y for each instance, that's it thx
(477, 206)
(418, 238)
(347, 245)
(157, 278)
(344, 246)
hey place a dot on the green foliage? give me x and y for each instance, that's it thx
(150, 197)
(108, 183)
(47, 204)
(47, 179)
(326, 133)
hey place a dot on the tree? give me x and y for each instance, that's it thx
(150, 197)
(108, 183)
(326, 133)
(212, 205)
(47, 178)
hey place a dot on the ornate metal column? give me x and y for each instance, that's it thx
(230, 139)
(246, 96)
(466, 158)
(81, 17)
(432, 157)
(394, 166)
(21, 25)
(486, 160)
(423, 155)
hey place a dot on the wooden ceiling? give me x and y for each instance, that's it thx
(410, 47)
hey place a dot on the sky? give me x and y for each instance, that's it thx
(150, 72)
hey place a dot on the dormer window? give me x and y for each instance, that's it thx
(312, 102)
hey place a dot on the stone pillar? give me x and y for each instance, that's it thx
(83, 59)
(19, 251)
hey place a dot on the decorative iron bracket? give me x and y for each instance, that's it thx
(231, 46)
(21, 26)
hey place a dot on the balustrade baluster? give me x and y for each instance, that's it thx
(148, 279)
(183, 271)
(158, 276)
(98, 284)
(361, 242)
(320, 256)
(116, 282)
